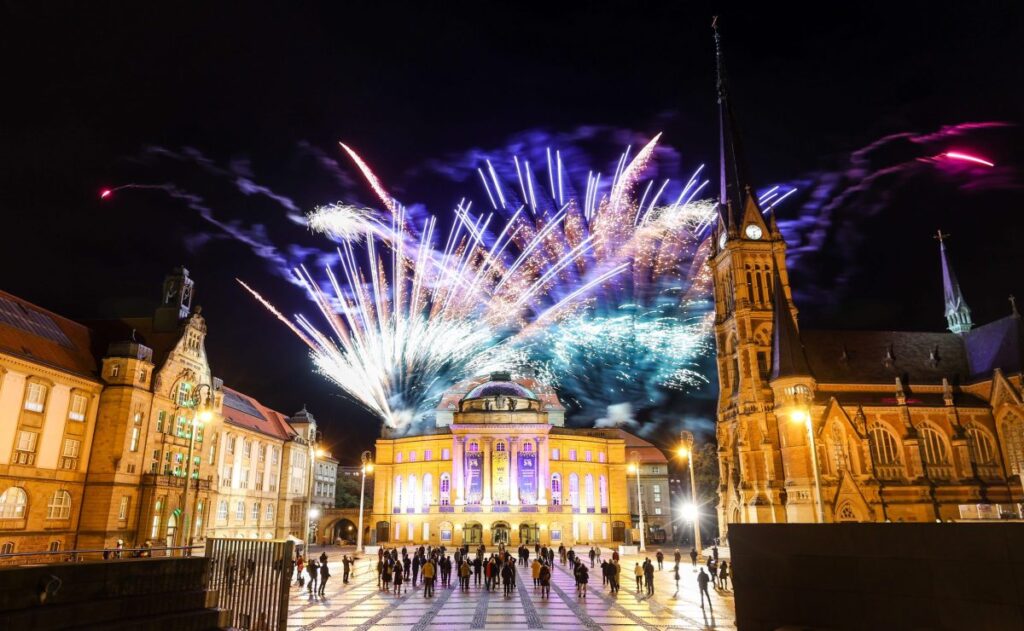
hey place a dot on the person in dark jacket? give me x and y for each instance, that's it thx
(325, 573)
(702, 583)
(346, 565)
(314, 572)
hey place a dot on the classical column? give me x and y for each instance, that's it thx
(513, 471)
(542, 470)
(486, 446)
(458, 469)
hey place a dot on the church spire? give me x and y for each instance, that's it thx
(737, 203)
(788, 357)
(958, 314)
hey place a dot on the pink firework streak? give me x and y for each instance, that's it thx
(966, 157)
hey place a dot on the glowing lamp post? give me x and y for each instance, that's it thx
(367, 461)
(634, 467)
(804, 417)
(691, 511)
(314, 519)
(314, 453)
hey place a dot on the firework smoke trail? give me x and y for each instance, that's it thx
(418, 310)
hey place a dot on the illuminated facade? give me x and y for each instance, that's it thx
(499, 467)
(904, 425)
(101, 429)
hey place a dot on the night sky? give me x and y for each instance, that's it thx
(104, 94)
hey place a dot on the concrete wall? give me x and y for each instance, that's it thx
(879, 576)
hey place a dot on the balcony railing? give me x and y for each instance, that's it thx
(889, 472)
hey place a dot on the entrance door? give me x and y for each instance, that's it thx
(473, 534)
(529, 534)
(499, 532)
(172, 527)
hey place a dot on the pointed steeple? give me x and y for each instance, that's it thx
(737, 204)
(788, 357)
(958, 314)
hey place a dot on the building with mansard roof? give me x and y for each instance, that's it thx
(104, 423)
(837, 425)
(500, 467)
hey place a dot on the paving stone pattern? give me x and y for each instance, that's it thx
(361, 606)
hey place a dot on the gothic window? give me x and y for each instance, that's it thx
(885, 449)
(1013, 438)
(750, 282)
(184, 396)
(574, 490)
(240, 511)
(588, 491)
(837, 445)
(933, 446)
(446, 485)
(981, 446)
(845, 513)
(556, 489)
(222, 510)
(270, 512)
(13, 503)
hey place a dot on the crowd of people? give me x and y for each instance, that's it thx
(402, 570)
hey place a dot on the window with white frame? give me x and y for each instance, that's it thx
(25, 448)
(154, 531)
(574, 490)
(122, 509)
(555, 453)
(184, 397)
(35, 396)
(255, 511)
(78, 407)
(428, 455)
(446, 454)
(656, 492)
(222, 510)
(603, 491)
(885, 449)
(69, 455)
(247, 448)
(428, 491)
(7, 548)
(59, 506)
(270, 512)
(13, 503)
(412, 456)
(588, 456)
(588, 491)
(556, 489)
(240, 511)
(572, 454)
(398, 457)
(133, 443)
(601, 457)
(446, 497)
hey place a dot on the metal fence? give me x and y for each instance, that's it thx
(252, 580)
(39, 557)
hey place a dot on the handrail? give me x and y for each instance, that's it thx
(115, 554)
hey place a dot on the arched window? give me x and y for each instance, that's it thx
(222, 510)
(499, 446)
(574, 490)
(1013, 438)
(981, 446)
(59, 506)
(270, 512)
(885, 449)
(446, 492)
(556, 489)
(588, 491)
(428, 490)
(155, 528)
(528, 447)
(398, 492)
(474, 446)
(933, 446)
(8, 547)
(240, 511)
(185, 394)
(13, 503)
(602, 487)
(837, 447)
(412, 492)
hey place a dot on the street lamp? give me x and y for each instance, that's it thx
(686, 451)
(314, 520)
(803, 416)
(203, 412)
(314, 453)
(367, 461)
(634, 467)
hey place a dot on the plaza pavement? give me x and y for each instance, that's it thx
(360, 605)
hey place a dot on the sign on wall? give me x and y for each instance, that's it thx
(499, 477)
(474, 477)
(527, 478)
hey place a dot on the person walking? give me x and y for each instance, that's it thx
(506, 578)
(346, 569)
(649, 577)
(300, 567)
(593, 555)
(477, 570)
(693, 556)
(388, 568)
(535, 572)
(311, 569)
(380, 572)
(616, 576)
(428, 578)
(723, 575)
(702, 583)
(714, 552)
(677, 576)
(678, 556)
(325, 574)
(639, 571)
(661, 560)
(545, 581)
(464, 573)
(583, 580)
(417, 560)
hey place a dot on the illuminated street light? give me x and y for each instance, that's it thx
(367, 461)
(686, 451)
(690, 512)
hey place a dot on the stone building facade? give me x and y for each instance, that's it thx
(499, 467)
(103, 422)
(852, 425)
(654, 488)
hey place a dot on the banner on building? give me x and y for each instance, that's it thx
(499, 477)
(527, 478)
(474, 477)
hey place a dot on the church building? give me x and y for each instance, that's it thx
(833, 425)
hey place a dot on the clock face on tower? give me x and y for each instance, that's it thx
(721, 241)
(753, 232)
